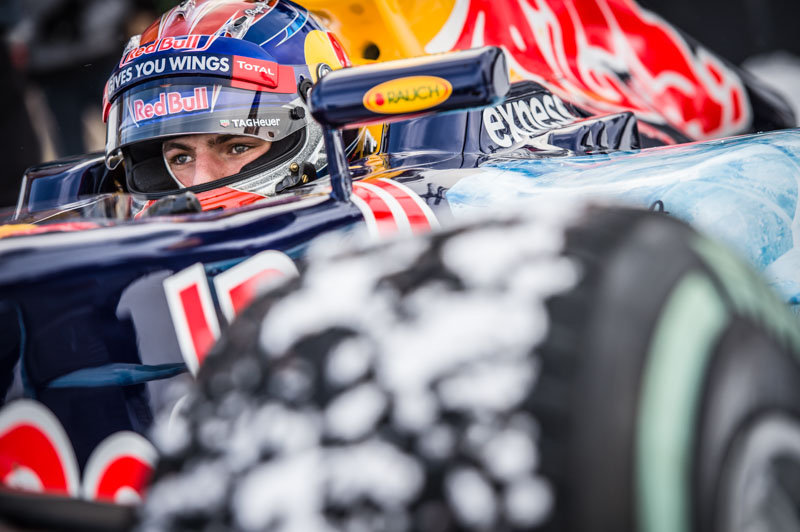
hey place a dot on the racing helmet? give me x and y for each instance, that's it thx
(225, 72)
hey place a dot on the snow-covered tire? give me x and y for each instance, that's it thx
(608, 370)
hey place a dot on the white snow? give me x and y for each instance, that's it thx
(355, 413)
(200, 488)
(415, 410)
(529, 501)
(488, 386)
(471, 497)
(348, 362)
(285, 491)
(437, 443)
(375, 469)
(510, 454)
(435, 349)
(497, 257)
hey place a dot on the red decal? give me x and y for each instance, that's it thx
(256, 71)
(608, 54)
(193, 314)
(256, 74)
(377, 211)
(36, 455)
(225, 197)
(239, 286)
(420, 216)
(190, 43)
(171, 103)
(119, 468)
(207, 18)
(35, 452)
(202, 337)
(341, 55)
(390, 207)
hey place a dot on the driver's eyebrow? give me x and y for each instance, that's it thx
(222, 139)
(173, 145)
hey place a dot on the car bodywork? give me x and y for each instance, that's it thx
(100, 310)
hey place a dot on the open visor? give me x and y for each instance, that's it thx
(200, 105)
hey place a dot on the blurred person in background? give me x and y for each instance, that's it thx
(67, 48)
(20, 147)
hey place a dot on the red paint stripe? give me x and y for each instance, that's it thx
(244, 293)
(383, 214)
(199, 329)
(416, 216)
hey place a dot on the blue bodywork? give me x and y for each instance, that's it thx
(743, 191)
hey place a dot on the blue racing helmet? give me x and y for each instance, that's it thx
(231, 69)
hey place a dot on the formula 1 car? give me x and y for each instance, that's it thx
(103, 306)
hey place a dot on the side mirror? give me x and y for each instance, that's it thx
(401, 90)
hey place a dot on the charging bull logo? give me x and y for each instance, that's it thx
(593, 52)
(407, 95)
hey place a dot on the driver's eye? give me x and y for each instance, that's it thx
(238, 149)
(181, 158)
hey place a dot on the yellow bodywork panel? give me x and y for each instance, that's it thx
(382, 29)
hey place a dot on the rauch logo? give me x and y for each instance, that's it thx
(171, 103)
(407, 95)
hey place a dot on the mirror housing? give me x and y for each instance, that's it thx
(402, 90)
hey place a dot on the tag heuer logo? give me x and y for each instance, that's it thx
(224, 123)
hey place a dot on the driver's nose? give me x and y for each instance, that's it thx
(207, 168)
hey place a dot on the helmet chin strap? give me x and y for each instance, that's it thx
(169, 170)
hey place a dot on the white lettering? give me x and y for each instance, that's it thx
(525, 116)
(508, 115)
(563, 109)
(257, 122)
(247, 66)
(550, 107)
(539, 112)
(179, 62)
(516, 121)
(493, 124)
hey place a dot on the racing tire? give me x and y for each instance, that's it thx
(663, 393)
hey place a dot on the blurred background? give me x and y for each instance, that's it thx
(56, 55)
(55, 58)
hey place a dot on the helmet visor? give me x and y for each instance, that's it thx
(199, 105)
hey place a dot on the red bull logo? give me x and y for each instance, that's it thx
(190, 43)
(593, 52)
(170, 103)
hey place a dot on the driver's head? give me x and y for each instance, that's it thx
(212, 97)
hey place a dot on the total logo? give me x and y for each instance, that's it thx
(171, 103)
(189, 43)
(255, 71)
(523, 119)
(407, 95)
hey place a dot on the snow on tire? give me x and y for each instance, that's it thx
(489, 377)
